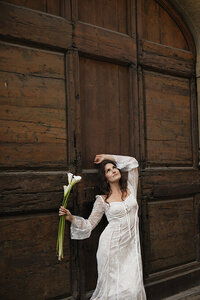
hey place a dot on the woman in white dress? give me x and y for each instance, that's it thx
(118, 256)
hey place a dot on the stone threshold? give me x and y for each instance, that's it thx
(190, 294)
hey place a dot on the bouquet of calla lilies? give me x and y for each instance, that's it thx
(72, 180)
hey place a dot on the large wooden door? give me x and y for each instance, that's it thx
(105, 94)
(169, 150)
(84, 77)
(33, 149)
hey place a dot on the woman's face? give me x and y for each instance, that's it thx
(112, 174)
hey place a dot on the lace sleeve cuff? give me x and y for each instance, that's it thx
(126, 163)
(80, 228)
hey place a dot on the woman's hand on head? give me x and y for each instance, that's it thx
(63, 211)
(99, 158)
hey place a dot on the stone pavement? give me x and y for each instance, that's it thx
(191, 294)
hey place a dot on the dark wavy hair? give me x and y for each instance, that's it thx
(105, 186)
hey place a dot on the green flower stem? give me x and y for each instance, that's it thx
(61, 228)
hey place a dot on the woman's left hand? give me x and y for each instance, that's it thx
(68, 216)
(99, 158)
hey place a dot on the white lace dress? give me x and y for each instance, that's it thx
(118, 255)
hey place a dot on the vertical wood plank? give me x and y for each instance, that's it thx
(74, 10)
(141, 95)
(197, 225)
(194, 122)
(73, 100)
(66, 9)
(149, 11)
(170, 33)
(134, 112)
(37, 4)
(53, 7)
(94, 12)
(73, 145)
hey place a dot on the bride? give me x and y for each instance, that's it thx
(118, 256)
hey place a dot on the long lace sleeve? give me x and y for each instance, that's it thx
(130, 165)
(81, 228)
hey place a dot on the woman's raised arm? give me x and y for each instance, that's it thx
(101, 157)
(129, 164)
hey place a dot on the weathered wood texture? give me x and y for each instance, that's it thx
(105, 43)
(78, 79)
(166, 182)
(32, 118)
(104, 99)
(159, 27)
(94, 12)
(170, 179)
(31, 191)
(167, 119)
(170, 222)
(29, 265)
(33, 26)
(58, 8)
(167, 59)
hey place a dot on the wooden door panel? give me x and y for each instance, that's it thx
(101, 42)
(170, 33)
(166, 59)
(170, 178)
(31, 191)
(105, 101)
(168, 182)
(94, 12)
(150, 20)
(35, 26)
(37, 4)
(104, 91)
(29, 261)
(31, 61)
(58, 8)
(159, 27)
(168, 119)
(34, 81)
(172, 231)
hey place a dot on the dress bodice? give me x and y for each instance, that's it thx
(117, 210)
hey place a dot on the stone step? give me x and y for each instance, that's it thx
(191, 294)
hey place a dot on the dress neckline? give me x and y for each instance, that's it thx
(115, 201)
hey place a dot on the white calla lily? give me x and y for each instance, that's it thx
(70, 176)
(66, 189)
(76, 179)
(72, 180)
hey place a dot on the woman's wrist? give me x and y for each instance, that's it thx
(101, 157)
(69, 218)
(108, 157)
